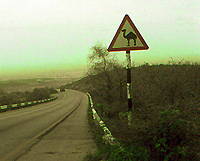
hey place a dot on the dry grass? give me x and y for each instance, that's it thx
(166, 102)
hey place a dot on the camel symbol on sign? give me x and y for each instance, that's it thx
(129, 36)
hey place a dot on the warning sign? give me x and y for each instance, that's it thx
(127, 37)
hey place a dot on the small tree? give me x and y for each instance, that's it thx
(101, 62)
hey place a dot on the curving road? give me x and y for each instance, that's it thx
(20, 129)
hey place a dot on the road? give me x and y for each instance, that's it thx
(21, 130)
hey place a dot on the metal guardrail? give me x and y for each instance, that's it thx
(25, 104)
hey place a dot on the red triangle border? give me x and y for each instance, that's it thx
(127, 18)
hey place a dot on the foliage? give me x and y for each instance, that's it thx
(11, 98)
(2, 92)
(109, 153)
(100, 60)
(166, 109)
(102, 63)
(17, 97)
(169, 133)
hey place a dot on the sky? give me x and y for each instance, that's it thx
(40, 35)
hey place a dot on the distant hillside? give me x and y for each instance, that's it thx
(23, 81)
(156, 84)
(48, 73)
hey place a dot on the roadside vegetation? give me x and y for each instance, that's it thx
(165, 122)
(18, 97)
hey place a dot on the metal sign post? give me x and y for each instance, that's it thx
(128, 38)
(128, 60)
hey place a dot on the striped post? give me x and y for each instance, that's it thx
(128, 60)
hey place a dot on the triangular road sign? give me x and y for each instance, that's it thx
(127, 37)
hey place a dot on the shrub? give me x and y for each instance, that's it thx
(166, 101)
(17, 97)
(169, 133)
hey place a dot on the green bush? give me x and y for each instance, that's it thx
(166, 109)
(170, 134)
(108, 152)
(11, 98)
(17, 97)
(39, 94)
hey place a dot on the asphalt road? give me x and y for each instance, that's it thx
(20, 129)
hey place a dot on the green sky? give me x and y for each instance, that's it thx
(58, 34)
